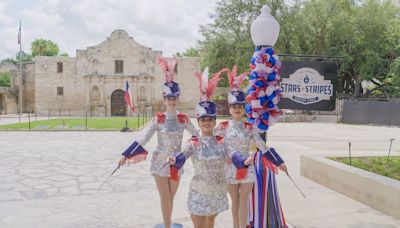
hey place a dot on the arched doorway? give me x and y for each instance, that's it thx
(118, 106)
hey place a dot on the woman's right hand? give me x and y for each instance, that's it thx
(172, 160)
(122, 161)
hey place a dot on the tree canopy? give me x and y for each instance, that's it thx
(365, 33)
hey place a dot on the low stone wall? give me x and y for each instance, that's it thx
(379, 192)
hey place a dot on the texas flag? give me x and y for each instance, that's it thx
(127, 97)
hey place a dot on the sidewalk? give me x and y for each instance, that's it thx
(50, 179)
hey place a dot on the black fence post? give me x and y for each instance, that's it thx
(29, 120)
(86, 121)
(137, 119)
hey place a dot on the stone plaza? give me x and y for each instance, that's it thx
(50, 179)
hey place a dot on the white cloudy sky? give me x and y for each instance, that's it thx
(167, 25)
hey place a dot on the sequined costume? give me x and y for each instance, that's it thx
(208, 190)
(237, 136)
(265, 208)
(169, 128)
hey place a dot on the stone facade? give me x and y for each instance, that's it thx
(93, 82)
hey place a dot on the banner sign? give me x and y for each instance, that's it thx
(308, 85)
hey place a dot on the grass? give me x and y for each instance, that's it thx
(101, 123)
(375, 164)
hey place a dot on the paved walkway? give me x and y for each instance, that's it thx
(50, 179)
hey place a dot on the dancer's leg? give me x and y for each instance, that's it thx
(233, 190)
(244, 192)
(165, 198)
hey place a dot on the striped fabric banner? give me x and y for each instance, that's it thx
(265, 208)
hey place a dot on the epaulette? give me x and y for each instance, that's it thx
(160, 117)
(248, 125)
(183, 118)
(194, 141)
(220, 139)
(224, 124)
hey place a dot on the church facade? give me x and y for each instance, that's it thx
(94, 81)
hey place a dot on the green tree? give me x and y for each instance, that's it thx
(5, 79)
(42, 47)
(65, 54)
(365, 33)
(190, 52)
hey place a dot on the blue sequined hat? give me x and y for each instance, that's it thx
(206, 109)
(236, 97)
(169, 88)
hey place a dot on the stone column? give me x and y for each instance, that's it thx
(135, 92)
(148, 90)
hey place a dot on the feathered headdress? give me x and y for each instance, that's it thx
(207, 87)
(236, 82)
(168, 65)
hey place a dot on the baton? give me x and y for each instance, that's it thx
(109, 177)
(165, 164)
(301, 192)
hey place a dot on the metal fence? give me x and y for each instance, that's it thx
(372, 111)
(141, 117)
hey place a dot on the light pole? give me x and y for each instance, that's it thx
(264, 91)
(262, 111)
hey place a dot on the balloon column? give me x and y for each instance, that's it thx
(264, 92)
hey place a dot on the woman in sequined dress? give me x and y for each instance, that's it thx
(238, 135)
(169, 127)
(207, 192)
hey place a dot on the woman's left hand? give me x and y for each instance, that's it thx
(283, 167)
(249, 160)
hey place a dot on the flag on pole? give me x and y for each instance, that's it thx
(127, 97)
(135, 153)
(19, 33)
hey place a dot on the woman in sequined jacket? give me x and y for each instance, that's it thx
(169, 127)
(207, 192)
(238, 135)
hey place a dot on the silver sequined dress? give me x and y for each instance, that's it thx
(169, 140)
(238, 136)
(208, 189)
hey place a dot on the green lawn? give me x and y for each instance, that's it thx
(106, 123)
(375, 164)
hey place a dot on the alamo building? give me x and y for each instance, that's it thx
(94, 81)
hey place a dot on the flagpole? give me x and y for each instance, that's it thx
(20, 71)
(126, 128)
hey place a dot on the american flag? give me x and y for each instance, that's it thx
(19, 33)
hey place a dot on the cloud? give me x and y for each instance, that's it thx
(166, 25)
